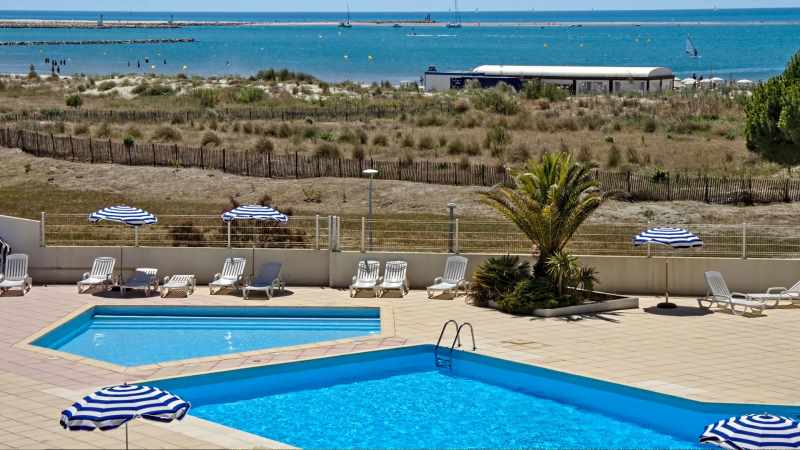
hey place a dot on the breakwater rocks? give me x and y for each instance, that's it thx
(99, 42)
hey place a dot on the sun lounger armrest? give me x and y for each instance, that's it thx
(776, 290)
(194, 281)
(354, 280)
(740, 295)
(463, 284)
(165, 280)
(437, 280)
(85, 275)
(216, 276)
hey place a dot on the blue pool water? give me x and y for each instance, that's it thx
(428, 409)
(132, 336)
(398, 398)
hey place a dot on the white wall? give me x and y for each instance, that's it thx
(621, 274)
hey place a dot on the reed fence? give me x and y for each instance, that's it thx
(632, 186)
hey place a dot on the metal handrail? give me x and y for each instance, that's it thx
(440, 362)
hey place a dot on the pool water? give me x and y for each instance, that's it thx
(399, 398)
(132, 336)
(428, 409)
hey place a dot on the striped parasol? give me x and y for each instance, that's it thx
(673, 237)
(254, 212)
(115, 406)
(123, 214)
(753, 431)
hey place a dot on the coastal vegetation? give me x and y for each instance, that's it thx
(773, 117)
(695, 133)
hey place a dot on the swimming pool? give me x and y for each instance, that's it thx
(137, 335)
(398, 398)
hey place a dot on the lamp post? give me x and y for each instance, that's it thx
(371, 173)
(451, 207)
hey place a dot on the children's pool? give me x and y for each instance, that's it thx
(137, 335)
(398, 398)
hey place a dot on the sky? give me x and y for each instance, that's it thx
(381, 5)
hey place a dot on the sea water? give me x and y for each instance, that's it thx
(733, 44)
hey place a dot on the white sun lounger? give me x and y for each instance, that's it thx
(231, 276)
(102, 274)
(718, 294)
(267, 280)
(144, 279)
(394, 278)
(453, 279)
(16, 274)
(779, 294)
(180, 283)
(366, 277)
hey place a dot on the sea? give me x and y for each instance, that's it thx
(735, 44)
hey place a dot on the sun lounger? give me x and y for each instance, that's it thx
(779, 294)
(180, 283)
(366, 277)
(16, 275)
(102, 275)
(453, 279)
(144, 279)
(394, 278)
(718, 294)
(267, 280)
(231, 276)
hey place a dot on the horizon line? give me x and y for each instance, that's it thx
(533, 10)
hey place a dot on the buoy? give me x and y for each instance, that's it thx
(370, 57)
(346, 57)
(545, 45)
(185, 67)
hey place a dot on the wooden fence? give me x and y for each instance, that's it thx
(241, 162)
(322, 113)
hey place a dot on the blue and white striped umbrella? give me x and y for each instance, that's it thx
(674, 237)
(123, 214)
(115, 406)
(753, 431)
(256, 212)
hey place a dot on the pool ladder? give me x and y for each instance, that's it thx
(446, 361)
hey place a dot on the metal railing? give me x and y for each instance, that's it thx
(393, 235)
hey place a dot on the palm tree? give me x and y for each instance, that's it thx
(550, 200)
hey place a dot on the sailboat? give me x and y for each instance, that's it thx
(691, 50)
(456, 17)
(347, 23)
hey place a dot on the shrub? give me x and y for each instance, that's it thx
(80, 129)
(649, 125)
(380, 140)
(426, 142)
(430, 119)
(347, 136)
(496, 101)
(530, 294)
(520, 153)
(496, 278)
(327, 150)
(614, 157)
(472, 148)
(533, 90)
(461, 105)
(263, 145)
(210, 138)
(32, 75)
(249, 94)
(442, 140)
(133, 132)
(407, 141)
(358, 153)
(312, 195)
(186, 234)
(165, 133)
(247, 128)
(633, 155)
(497, 138)
(157, 90)
(139, 89)
(208, 97)
(455, 147)
(128, 141)
(584, 154)
(74, 101)
(592, 121)
(103, 131)
(106, 86)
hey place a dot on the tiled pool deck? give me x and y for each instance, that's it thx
(710, 357)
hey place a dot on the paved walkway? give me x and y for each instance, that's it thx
(687, 352)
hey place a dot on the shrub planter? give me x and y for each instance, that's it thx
(599, 302)
(604, 302)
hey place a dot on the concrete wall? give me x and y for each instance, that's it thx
(619, 274)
